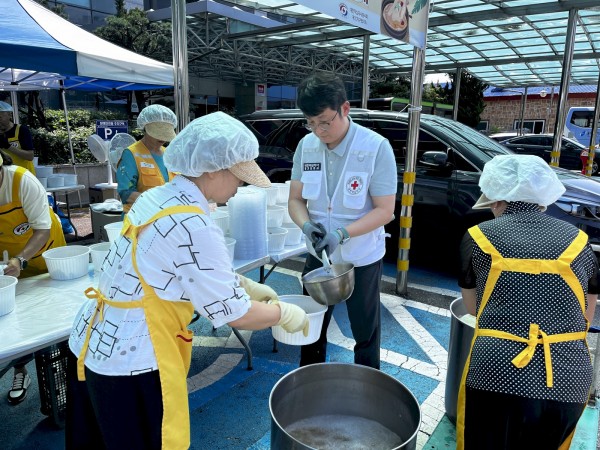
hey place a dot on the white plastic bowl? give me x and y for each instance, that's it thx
(294, 234)
(67, 263)
(70, 179)
(283, 192)
(7, 294)
(275, 216)
(99, 253)
(230, 243)
(55, 181)
(276, 239)
(113, 230)
(315, 313)
(221, 219)
(44, 171)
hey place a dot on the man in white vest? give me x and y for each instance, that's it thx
(342, 193)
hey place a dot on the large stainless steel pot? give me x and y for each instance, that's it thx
(330, 286)
(461, 335)
(336, 405)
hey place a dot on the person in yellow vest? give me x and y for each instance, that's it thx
(141, 166)
(28, 227)
(15, 140)
(130, 345)
(531, 280)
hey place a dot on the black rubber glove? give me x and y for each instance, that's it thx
(329, 243)
(314, 231)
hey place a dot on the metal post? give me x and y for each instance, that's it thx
(180, 63)
(409, 176)
(456, 93)
(563, 94)
(523, 101)
(592, 150)
(365, 71)
(64, 102)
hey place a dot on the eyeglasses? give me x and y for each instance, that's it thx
(323, 126)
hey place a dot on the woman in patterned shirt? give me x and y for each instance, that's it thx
(532, 281)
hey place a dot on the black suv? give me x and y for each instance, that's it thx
(541, 145)
(450, 158)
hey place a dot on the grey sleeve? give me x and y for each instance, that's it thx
(385, 176)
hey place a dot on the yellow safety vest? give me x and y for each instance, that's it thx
(560, 266)
(149, 174)
(172, 341)
(13, 143)
(15, 230)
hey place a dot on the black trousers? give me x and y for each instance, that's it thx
(495, 421)
(363, 313)
(112, 412)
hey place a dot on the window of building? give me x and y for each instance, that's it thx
(484, 125)
(530, 126)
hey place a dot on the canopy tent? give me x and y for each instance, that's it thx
(47, 49)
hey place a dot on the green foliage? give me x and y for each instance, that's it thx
(470, 102)
(51, 144)
(57, 9)
(391, 86)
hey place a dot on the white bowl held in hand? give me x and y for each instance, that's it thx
(315, 313)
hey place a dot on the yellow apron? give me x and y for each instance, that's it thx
(15, 231)
(13, 143)
(172, 341)
(560, 266)
(149, 174)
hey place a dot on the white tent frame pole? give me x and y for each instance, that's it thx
(456, 93)
(365, 71)
(64, 102)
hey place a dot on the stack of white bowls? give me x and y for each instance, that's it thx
(42, 173)
(282, 199)
(221, 219)
(248, 222)
(70, 179)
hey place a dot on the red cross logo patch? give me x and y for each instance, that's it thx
(354, 185)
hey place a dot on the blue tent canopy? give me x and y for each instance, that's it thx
(47, 49)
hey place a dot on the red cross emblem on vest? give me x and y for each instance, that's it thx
(354, 185)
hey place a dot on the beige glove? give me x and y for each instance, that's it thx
(293, 318)
(258, 292)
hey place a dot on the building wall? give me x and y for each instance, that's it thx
(501, 112)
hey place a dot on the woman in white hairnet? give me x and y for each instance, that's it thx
(130, 344)
(531, 280)
(141, 166)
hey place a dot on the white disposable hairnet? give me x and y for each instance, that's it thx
(5, 107)
(210, 143)
(156, 113)
(520, 178)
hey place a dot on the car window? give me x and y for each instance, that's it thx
(546, 141)
(263, 128)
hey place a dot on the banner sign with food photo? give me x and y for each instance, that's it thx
(405, 20)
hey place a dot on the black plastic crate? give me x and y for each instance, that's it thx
(51, 365)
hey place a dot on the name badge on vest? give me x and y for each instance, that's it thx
(312, 167)
(146, 165)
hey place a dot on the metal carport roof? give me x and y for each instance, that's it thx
(505, 43)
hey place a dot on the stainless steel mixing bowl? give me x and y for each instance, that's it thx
(330, 286)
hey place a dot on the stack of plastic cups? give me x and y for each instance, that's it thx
(248, 223)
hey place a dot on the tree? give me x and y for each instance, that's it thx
(133, 30)
(390, 86)
(470, 101)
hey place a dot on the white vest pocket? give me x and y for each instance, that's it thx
(355, 189)
(311, 181)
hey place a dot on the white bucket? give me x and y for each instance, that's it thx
(113, 230)
(294, 234)
(99, 253)
(315, 313)
(221, 219)
(44, 171)
(67, 263)
(276, 239)
(70, 179)
(43, 181)
(275, 216)
(7, 294)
